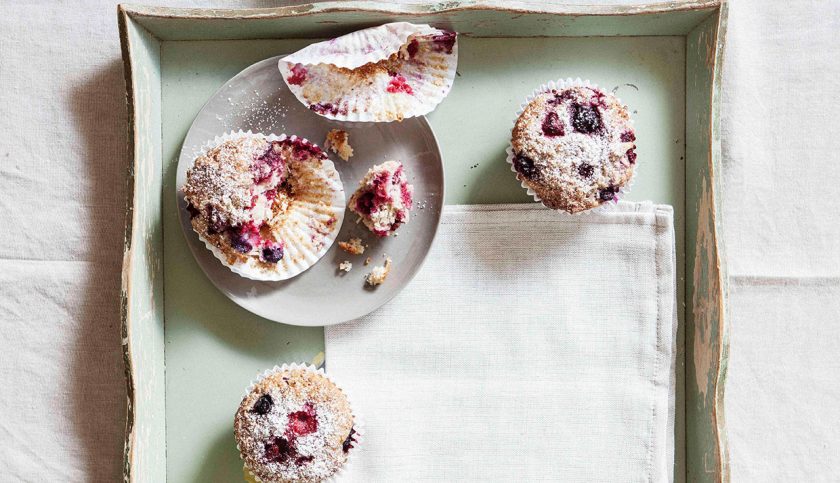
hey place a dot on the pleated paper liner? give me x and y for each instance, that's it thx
(560, 85)
(358, 423)
(313, 218)
(381, 74)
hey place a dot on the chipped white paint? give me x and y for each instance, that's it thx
(705, 304)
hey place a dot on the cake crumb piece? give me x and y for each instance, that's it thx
(367, 261)
(339, 142)
(352, 246)
(346, 265)
(379, 273)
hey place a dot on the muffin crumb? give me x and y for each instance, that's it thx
(379, 274)
(346, 266)
(352, 246)
(367, 261)
(338, 141)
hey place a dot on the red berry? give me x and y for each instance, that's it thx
(551, 125)
(303, 422)
(279, 450)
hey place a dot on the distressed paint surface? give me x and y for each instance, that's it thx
(323, 20)
(704, 308)
(142, 284)
(492, 18)
(706, 332)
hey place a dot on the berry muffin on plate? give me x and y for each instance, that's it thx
(268, 207)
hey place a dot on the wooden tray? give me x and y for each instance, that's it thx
(189, 351)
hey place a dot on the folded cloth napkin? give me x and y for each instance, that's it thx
(532, 346)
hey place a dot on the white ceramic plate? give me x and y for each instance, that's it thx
(258, 99)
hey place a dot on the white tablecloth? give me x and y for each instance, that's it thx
(62, 164)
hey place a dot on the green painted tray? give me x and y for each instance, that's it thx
(189, 351)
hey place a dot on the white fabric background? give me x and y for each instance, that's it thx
(782, 239)
(531, 346)
(62, 164)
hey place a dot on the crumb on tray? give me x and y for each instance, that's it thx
(346, 266)
(339, 142)
(379, 273)
(367, 261)
(352, 246)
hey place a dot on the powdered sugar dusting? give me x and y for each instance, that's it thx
(313, 454)
(574, 147)
(264, 112)
(267, 206)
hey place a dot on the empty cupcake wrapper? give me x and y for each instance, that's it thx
(559, 85)
(413, 84)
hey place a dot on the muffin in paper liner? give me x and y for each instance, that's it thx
(267, 206)
(380, 74)
(572, 146)
(328, 390)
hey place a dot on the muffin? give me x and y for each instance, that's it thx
(573, 147)
(294, 424)
(383, 199)
(268, 207)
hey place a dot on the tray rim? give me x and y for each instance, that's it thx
(127, 13)
(514, 7)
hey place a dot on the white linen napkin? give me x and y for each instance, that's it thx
(531, 346)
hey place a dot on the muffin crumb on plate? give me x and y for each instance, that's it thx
(379, 273)
(338, 141)
(352, 246)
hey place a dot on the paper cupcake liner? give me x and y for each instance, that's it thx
(559, 85)
(299, 254)
(360, 47)
(358, 78)
(358, 423)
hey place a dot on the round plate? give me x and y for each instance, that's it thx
(257, 99)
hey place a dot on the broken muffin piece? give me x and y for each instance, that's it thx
(379, 274)
(338, 141)
(383, 199)
(346, 266)
(352, 246)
